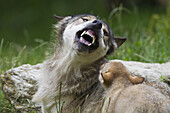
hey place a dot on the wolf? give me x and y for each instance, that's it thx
(110, 70)
(83, 42)
(127, 94)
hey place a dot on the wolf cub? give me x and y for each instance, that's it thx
(125, 94)
(112, 70)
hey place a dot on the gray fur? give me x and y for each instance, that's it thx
(78, 71)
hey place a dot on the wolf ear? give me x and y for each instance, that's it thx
(119, 41)
(116, 42)
(58, 17)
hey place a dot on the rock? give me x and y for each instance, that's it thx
(19, 84)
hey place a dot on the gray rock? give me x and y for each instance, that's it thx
(19, 84)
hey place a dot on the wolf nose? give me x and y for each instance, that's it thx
(97, 24)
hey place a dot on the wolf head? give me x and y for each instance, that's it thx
(86, 36)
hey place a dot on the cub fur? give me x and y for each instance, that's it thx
(125, 94)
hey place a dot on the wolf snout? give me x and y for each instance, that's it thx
(97, 24)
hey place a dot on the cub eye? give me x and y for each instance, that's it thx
(106, 71)
(84, 19)
(105, 33)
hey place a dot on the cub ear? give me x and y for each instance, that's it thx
(119, 41)
(58, 18)
(135, 79)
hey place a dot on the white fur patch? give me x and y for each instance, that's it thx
(101, 79)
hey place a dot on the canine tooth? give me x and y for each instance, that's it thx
(80, 38)
(83, 33)
(89, 34)
(93, 40)
(90, 44)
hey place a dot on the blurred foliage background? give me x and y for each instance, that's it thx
(26, 28)
(22, 22)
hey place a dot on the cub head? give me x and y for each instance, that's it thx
(86, 36)
(112, 70)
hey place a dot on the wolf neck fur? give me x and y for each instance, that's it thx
(75, 78)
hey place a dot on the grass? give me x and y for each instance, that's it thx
(148, 36)
(148, 41)
(59, 103)
(13, 55)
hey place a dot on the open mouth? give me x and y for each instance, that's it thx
(86, 37)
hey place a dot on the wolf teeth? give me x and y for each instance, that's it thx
(87, 33)
(83, 33)
(92, 36)
(82, 40)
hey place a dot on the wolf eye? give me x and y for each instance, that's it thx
(84, 19)
(105, 33)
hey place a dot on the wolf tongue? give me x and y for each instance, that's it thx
(82, 40)
(91, 32)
